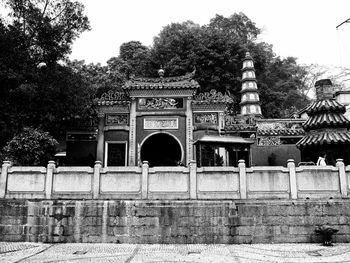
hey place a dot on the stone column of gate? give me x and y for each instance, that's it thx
(100, 137)
(189, 131)
(132, 133)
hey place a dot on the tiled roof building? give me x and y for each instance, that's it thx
(326, 127)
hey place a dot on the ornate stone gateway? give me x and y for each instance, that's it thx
(151, 120)
(165, 121)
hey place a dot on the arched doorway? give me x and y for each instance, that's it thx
(161, 149)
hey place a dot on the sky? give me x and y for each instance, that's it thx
(305, 29)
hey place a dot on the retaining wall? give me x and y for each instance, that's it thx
(172, 221)
(198, 205)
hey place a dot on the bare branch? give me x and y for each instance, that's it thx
(44, 9)
(60, 13)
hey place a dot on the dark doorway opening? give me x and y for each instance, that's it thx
(161, 150)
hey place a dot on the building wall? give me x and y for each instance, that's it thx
(278, 154)
(169, 222)
(116, 135)
(81, 153)
(180, 134)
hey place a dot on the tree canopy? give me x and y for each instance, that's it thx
(35, 88)
(216, 51)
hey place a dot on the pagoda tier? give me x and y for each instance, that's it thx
(324, 138)
(326, 124)
(250, 103)
(326, 131)
(326, 113)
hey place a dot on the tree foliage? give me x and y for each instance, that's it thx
(280, 86)
(30, 147)
(48, 27)
(216, 51)
(36, 90)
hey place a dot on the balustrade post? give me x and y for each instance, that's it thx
(242, 179)
(3, 179)
(100, 137)
(144, 180)
(49, 179)
(193, 179)
(342, 178)
(96, 180)
(292, 179)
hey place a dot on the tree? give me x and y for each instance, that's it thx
(280, 88)
(237, 26)
(49, 26)
(40, 32)
(313, 73)
(30, 147)
(216, 51)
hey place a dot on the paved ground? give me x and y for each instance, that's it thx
(129, 253)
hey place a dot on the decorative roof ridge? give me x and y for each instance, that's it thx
(208, 102)
(187, 76)
(240, 126)
(113, 95)
(111, 102)
(212, 97)
(281, 119)
(285, 132)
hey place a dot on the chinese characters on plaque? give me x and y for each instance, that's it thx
(160, 123)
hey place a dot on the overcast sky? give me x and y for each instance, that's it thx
(305, 29)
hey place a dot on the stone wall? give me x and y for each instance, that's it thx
(240, 221)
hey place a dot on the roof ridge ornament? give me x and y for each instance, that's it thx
(114, 95)
(161, 72)
(213, 96)
(187, 77)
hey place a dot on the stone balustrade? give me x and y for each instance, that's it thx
(173, 183)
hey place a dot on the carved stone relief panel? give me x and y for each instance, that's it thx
(269, 141)
(206, 118)
(116, 119)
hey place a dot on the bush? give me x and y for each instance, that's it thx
(31, 147)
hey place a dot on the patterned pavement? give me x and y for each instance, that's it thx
(198, 253)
